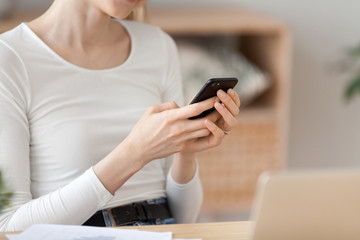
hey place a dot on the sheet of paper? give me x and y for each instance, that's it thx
(66, 232)
(187, 239)
(13, 237)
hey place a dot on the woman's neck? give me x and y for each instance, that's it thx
(83, 35)
(78, 24)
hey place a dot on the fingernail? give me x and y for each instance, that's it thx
(231, 92)
(218, 105)
(222, 93)
(217, 99)
(207, 122)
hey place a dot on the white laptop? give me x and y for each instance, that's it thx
(307, 205)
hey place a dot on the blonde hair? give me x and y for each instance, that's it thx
(139, 14)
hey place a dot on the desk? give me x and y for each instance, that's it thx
(205, 231)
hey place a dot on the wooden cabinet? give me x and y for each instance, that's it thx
(229, 172)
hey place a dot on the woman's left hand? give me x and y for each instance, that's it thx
(219, 122)
(229, 110)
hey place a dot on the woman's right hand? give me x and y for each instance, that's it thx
(164, 129)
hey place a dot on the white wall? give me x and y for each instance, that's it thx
(324, 131)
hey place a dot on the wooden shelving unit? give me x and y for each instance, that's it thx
(229, 172)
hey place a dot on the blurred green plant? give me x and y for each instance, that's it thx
(351, 65)
(5, 194)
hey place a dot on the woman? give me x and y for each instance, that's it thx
(89, 120)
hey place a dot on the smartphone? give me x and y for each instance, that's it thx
(210, 89)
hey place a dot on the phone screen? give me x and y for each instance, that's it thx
(210, 89)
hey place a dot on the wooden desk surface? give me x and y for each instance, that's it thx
(205, 231)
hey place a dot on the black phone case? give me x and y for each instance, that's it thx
(210, 89)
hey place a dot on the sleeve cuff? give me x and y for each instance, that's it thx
(104, 195)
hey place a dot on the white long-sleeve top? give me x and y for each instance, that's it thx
(57, 120)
